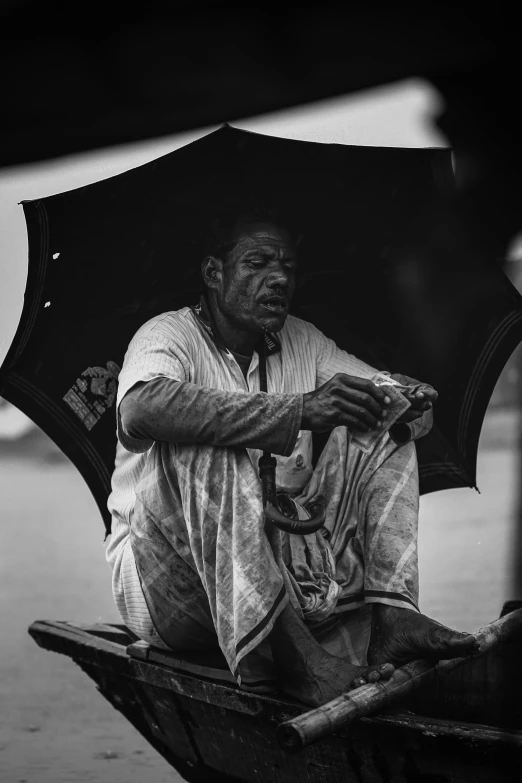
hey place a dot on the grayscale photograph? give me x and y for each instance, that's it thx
(260, 394)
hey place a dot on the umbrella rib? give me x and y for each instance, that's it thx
(481, 366)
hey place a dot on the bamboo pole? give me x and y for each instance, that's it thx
(293, 735)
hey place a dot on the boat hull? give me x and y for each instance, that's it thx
(210, 731)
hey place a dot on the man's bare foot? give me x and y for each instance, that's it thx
(310, 674)
(401, 635)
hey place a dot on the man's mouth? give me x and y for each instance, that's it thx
(276, 304)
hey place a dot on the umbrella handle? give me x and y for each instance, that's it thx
(303, 527)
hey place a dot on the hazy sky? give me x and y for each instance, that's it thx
(395, 116)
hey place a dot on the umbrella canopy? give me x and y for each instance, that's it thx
(384, 271)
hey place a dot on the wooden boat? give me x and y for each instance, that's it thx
(464, 726)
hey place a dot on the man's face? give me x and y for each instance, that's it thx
(258, 278)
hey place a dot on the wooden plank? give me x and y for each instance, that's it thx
(469, 732)
(62, 636)
(116, 633)
(139, 650)
(199, 665)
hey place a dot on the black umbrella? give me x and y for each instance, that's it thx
(386, 272)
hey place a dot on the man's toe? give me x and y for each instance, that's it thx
(386, 671)
(357, 683)
(455, 645)
(467, 643)
(373, 674)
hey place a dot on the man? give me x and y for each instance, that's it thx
(193, 563)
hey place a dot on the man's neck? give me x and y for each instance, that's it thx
(236, 340)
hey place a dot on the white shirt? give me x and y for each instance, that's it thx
(175, 345)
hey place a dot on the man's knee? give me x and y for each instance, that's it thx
(204, 462)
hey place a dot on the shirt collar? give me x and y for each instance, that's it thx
(202, 313)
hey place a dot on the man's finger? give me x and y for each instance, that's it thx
(355, 424)
(346, 420)
(420, 405)
(426, 396)
(361, 399)
(410, 415)
(359, 413)
(364, 385)
(426, 393)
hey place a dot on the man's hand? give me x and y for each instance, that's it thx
(346, 401)
(421, 399)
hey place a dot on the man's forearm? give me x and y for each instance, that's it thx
(180, 412)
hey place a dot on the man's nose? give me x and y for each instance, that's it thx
(278, 278)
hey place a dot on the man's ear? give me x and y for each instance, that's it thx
(211, 270)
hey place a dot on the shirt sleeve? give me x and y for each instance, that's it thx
(149, 356)
(163, 409)
(331, 360)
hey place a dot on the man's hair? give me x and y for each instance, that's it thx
(222, 232)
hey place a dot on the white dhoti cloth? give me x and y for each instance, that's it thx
(212, 574)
